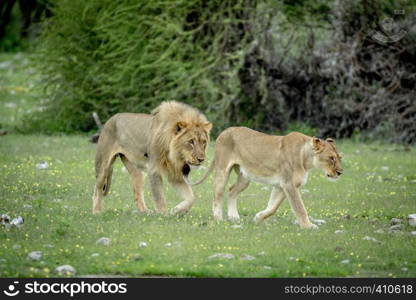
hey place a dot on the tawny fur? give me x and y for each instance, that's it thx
(281, 161)
(157, 143)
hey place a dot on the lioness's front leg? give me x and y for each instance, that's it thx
(188, 198)
(276, 198)
(156, 183)
(292, 193)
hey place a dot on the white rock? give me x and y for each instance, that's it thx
(168, 245)
(262, 253)
(247, 257)
(339, 231)
(236, 226)
(369, 238)
(345, 261)
(385, 168)
(317, 221)
(142, 244)
(379, 231)
(48, 246)
(222, 256)
(267, 267)
(105, 241)
(18, 221)
(34, 255)
(4, 219)
(43, 165)
(65, 270)
(27, 206)
(413, 233)
(95, 254)
(412, 220)
(16, 246)
(405, 269)
(397, 227)
(396, 221)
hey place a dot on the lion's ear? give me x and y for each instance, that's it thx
(207, 127)
(317, 145)
(180, 126)
(329, 140)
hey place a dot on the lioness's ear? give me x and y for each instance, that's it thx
(329, 140)
(207, 127)
(180, 126)
(317, 145)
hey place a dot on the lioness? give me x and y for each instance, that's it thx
(164, 143)
(282, 161)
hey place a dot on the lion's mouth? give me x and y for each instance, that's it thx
(186, 169)
(332, 177)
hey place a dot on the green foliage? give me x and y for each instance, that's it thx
(12, 41)
(110, 56)
(302, 127)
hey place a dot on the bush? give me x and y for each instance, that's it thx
(110, 56)
(263, 64)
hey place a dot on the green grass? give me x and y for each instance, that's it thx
(379, 183)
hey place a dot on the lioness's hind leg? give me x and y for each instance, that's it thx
(138, 182)
(276, 198)
(220, 181)
(240, 185)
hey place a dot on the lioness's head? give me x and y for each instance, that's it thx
(190, 142)
(327, 157)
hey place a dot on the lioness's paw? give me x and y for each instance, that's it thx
(313, 226)
(144, 212)
(234, 218)
(178, 211)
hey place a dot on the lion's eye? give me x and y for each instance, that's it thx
(191, 142)
(332, 158)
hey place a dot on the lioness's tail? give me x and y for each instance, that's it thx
(211, 167)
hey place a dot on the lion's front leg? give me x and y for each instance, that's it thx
(293, 194)
(188, 198)
(156, 183)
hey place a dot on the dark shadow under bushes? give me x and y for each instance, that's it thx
(263, 64)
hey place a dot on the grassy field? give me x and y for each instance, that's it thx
(379, 183)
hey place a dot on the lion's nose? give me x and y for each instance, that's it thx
(200, 160)
(339, 172)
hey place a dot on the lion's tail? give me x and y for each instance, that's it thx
(211, 167)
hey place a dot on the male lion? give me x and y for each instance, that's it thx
(282, 161)
(164, 143)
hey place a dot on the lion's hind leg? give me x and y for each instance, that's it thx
(104, 171)
(138, 183)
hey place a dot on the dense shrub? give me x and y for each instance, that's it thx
(127, 55)
(264, 64)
